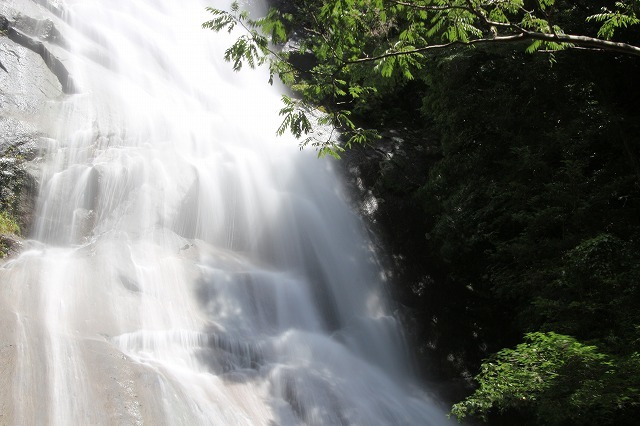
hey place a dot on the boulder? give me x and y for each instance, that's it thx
(10, 245)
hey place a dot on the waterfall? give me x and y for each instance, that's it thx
(187, 267)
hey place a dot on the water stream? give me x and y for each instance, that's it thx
(187, 267)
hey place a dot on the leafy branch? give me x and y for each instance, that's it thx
(345, 36)
(300, 117)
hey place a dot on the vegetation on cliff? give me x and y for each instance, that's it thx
(523, 221)
(12, 176)
(8, 227)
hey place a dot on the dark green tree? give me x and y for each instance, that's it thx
(354, 42)
(557, 381)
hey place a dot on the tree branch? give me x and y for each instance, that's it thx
(584, 41)
(578, 41)
(515, 37)
(423, 7)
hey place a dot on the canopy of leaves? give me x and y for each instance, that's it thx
(355, 42)
(559, 380)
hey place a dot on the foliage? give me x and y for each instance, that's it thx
(355, 42)
(520, 188)
(9, 229)
(534, 205)
(8, 225)
(597, 292)
(526, 216)
(13, 179)
(623, 16)
(558, 380)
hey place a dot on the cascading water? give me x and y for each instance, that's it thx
(187, 268)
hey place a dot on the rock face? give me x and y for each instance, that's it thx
(384, 179)
(31, 77)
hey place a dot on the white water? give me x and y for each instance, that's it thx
(188, 267)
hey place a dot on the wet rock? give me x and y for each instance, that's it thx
(23, 22)
(43, 29)
(27, 89)
(54, 6)
(26, 85)
(10, 245)
(53, 63)
(303, 61)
